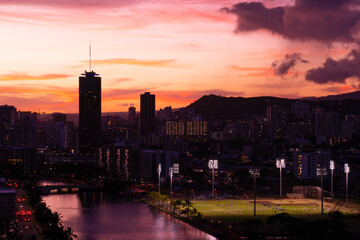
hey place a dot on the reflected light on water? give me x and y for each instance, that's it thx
(101, 216)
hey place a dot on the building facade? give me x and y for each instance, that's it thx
(147, 113)
(89, 113)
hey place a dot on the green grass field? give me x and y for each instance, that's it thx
(228, 212)
(233, 210)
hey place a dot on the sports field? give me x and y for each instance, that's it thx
(235, 212)
(267, 207)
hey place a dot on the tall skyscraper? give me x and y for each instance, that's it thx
(7, 123)
(89, 112)
(132, 115)
(147, 113)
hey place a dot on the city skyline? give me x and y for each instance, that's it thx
(178, 52)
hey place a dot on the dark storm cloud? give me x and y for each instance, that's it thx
(282, 67)
(336, 70)
(254, 15)
(320, 20)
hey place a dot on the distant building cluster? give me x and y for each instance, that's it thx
(130, 145)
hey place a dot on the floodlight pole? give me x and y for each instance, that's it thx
(347, 170)
(332, 167)
(322, 194)
(280, 163)
(213, 182)
(171, 170)
(255, 172)
(347, 188)
(159, 172)
(254, 194)
(280, 183)
(321, 172)
(213, 164)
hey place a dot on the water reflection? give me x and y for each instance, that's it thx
(100, 216)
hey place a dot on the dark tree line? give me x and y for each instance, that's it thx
(50, 222)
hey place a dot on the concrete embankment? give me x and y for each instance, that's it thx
(205, 227)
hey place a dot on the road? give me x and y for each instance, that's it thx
(28, 229)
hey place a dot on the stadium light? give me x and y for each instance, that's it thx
(213, 164)
(255, 173)
(321, 172)
(159, 171)
(347, 171)
(171, 172)
(280, 163)
(332, 167)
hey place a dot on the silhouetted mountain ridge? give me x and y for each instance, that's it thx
(337, 97)
(212, 106)
(219, 107)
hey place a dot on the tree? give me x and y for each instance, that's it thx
(176, 205)
(251, 228)
(283, 220)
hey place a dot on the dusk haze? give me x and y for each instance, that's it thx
(179, 120)
(179, 50)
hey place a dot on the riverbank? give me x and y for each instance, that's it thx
(223, 222)
(96, 215)
(198, 222)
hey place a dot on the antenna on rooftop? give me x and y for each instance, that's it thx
(90, 55)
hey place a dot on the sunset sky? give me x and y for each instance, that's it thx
(178, 50)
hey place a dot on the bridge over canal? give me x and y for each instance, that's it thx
(67, 188)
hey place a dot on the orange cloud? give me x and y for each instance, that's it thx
(250, 69)
(24, 76)
(130, 61)
(341, 89)
(253, 71)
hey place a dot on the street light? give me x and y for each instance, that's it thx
(280, 163)
(171, 172)
(347, 170)
(321, 172)
(159, 171)
(213, 164)
(254, 172)
(332, 167)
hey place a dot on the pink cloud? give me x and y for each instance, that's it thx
(25, 76)
(130, 61)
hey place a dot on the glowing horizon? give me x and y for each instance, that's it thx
(178, 51)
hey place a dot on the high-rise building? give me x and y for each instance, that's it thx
(58, 117)
(276, 121)
(89, 112)
(25, 129)
(132, 115)
(147, 113)
(7, 123)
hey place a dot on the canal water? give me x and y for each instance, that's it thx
(107, 217)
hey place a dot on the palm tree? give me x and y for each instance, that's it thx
(176, 205)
